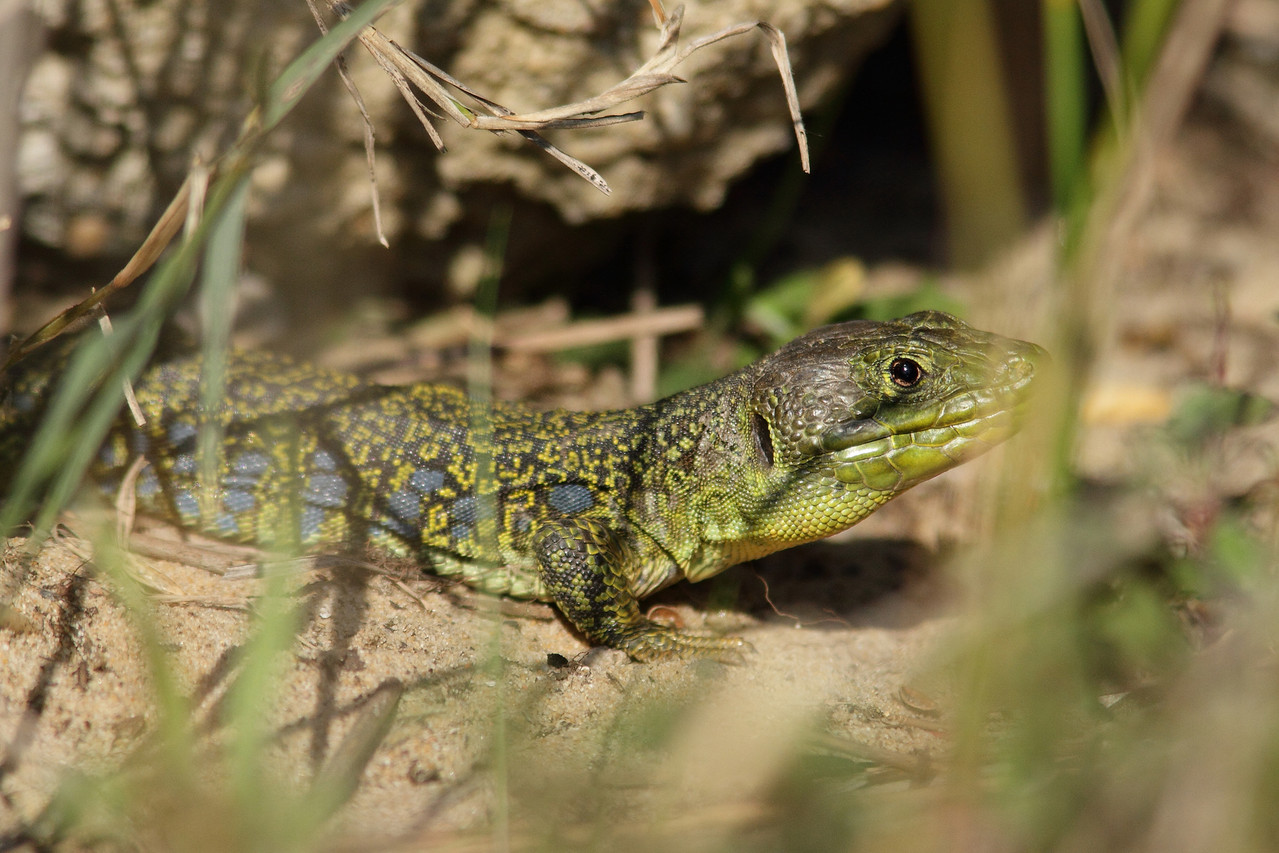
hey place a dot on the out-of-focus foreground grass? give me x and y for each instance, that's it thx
(1106, 697)
(1099, 697)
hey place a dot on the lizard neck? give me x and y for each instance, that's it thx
(698, 485)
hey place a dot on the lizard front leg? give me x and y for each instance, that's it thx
(582, 563)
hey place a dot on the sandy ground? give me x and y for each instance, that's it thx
(484, 721)
(76, 692)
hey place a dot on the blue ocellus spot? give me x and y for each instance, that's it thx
(23, 403)
(246, 470)
(325, 490)
(188, 507)
(227, 524)
(571, 498)
(426, 480)
(405, 505)
(148, 484)
(464, 510)
(398, 528)
(238, 500)
(251, 463)
(184, 463)
(182, 432)
(461, 532)
(312, 518)
(237, 481)
(322, 460)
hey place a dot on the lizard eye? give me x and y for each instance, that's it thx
(905, 372)
(763, 439)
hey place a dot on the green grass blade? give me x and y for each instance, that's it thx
(265, 815)
(302, 72)
(89, 398)
(1143, 37)
(1066, 100)
(221, 270)
(970, 125)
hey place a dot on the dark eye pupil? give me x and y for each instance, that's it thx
(905, 372)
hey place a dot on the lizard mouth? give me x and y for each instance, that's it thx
(903, 443)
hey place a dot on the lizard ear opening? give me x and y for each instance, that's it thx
(763, 438)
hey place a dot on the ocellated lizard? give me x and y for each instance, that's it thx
(590, 510)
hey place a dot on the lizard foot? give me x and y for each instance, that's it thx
(650, 641)
(587, 570)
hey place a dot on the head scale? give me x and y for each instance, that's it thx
(879, 407)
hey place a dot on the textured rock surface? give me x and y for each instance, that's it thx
(127, 92)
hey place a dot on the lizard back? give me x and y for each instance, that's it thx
(307, 458)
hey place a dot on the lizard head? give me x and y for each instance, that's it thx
(850, 415)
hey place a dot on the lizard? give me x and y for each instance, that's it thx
(591, 511)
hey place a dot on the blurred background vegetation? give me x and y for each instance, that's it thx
(1111, 682)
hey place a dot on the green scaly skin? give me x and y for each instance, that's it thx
(590, 510)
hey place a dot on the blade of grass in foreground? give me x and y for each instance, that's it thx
(1075, 638)
(480, 389)
(970, 126)
(81, 412)
(1067, 99)
(88, 397)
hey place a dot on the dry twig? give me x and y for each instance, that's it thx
(405, 67)
(660, 321)
(368, 125)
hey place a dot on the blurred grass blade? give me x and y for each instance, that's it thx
(176, 743)
(1143, 37)
(340, 777)
(282, 96)
(480, 375)
(88, 397)
(1105, 56)
(87, 401)
(217, 287)
(480, 388)
(302, 72)
(168, 226)
(1066, 100)
(970, 125)
(248, 715)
